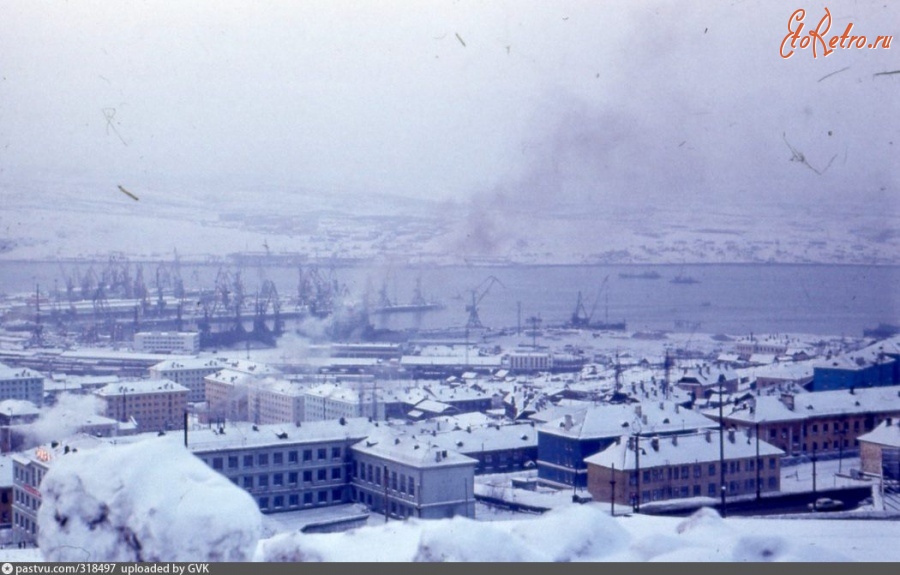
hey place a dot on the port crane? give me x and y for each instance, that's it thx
(478, 294)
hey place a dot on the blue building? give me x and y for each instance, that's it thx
(564, 443)
(854, 372)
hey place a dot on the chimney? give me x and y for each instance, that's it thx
(662, 405)
(631, 443)
(675, 440)
(654, 443)
(731, 435)
(644, 419)
(437, 456)
(676, 408)
(637, 409)
(568, 425)
(788, 400)
(708, 436)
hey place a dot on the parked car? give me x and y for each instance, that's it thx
(826, 504)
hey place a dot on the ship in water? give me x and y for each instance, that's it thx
(646, 275)
(581, 319)
(680, 278)
(418, 304)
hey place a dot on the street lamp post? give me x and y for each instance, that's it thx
(612, 485)
(814, 459)
(722, 441)
(757, 463)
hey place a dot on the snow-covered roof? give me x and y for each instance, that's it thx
(141, 387)
(7, 373)
(239, 435)
(188, 363)
(496, 438)
(403, 447)
(622, 419)
(681, 450)
(886, 433)
(18, 407)
(770, 408)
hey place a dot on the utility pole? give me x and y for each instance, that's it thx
(814, 459)
(722, 442)
(637, 472)
(386, 493)
(612, 485)
(758, 495)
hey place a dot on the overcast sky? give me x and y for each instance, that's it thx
(578, 100)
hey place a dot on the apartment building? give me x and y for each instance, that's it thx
(186, 343)
(681, 466)
(403, 475)
(154, 404)
(189, 373)
(21, 383)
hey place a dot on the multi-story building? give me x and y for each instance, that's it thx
(227, 390)
(854, 372)
(402, 476)
(29, 469)
(564, 443)
(6, 492)
(189, 373)
(284, 467)
(154, 404)
(21, 383)
(495, 448)
(330, 401)
(276, 401)
(187, 343)
(879, 450)
(682, 466)
(824, 421)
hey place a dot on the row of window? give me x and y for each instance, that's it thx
(813, 429)
(25, 522)
(289, 478)
(277, 458)
(712, 489)
(684, 472)
(25, 500)
(267, 503)
(398, 509)
(397, 482)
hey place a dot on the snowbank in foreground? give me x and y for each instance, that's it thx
(575, 533)
(148, 501)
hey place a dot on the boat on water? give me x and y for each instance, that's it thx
(418, 304)
(647, 275)
(680, 279)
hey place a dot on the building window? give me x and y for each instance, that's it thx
(292, 457)
(263, 459)
(321, 453)
(277, 458)
(307, 455)
(336, 495)
(248, 461)
(293, 500)
(394, 480)
(773, 482)
(263, 502)
(217, 463)
(321, 475)
(323, 496)
(278, 501)
(771, 463)
(412, 487)
(307, 476)
(335, 472)
(263, 481)
(712, 469)
(377, 474)
(307, 498)
(292, 477)
(278, 479)
(335, 452)
(697, 471)
(232, 462)
(248, 482)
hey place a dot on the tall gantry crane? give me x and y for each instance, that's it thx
(478, 294)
